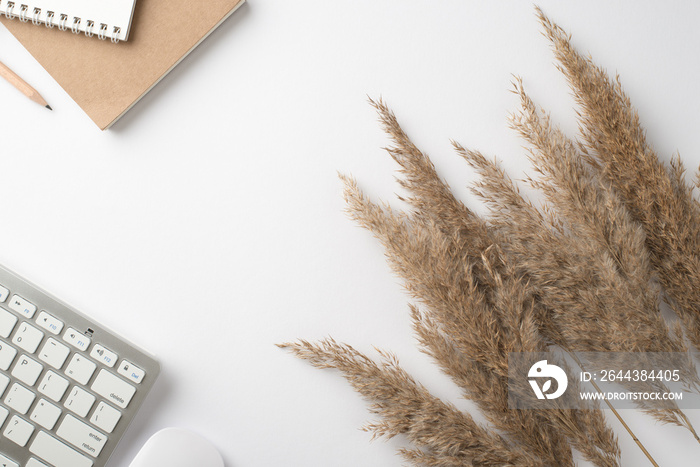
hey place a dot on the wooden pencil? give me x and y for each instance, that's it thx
(22, 85)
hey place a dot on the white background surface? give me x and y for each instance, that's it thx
(208, 225)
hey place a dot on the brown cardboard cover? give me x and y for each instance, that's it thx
(106, 79)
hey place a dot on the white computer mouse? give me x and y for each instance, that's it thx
(176, 447)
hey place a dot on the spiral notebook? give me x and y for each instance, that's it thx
(107, 79)
(106, 19)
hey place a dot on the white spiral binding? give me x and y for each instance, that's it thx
(102, 31)
(23, 13)
(63, 21)
(76, 24)
(35, 17)
(8, 10)
(49, 18)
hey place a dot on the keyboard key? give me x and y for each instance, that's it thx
(53, 386)
(7, 355)
(49, 322)
(103, 355)
(45, 414)
(7, 462)
(131, 371)
(79, 401)
(22, 306)
(54, 353)
(19, 398)
(28, 337)
(4, 293)
(80, 369)
(76, 339)
(105, 417)
(4, 382)
(113, 388)
(57, 453)
(27, 370)
(19, 430)
(82, 436)
(35, 463)
(7, 323)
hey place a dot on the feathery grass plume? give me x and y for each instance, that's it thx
(590, 307)
(477, 308)
(656, 195)
(590, 209)
(444, 435)
(442, 336)
(433, 202)
(437, 272)
(431, 198)
(577, 274)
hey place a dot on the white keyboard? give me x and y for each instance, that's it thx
(68, 387)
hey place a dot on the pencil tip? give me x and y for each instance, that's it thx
(48, 107)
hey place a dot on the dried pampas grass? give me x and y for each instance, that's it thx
(444, 435)
(588, 264)
(476, 309)
(578, 273)
(657, 196)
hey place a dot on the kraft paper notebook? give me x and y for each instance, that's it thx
(106, 79)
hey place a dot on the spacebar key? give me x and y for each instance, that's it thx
(56, 453)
